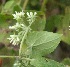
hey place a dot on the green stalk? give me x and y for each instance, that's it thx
(43, 5)
(25, 4)
(20, 50)
(23, 39)
(27, 59)
(9, 56)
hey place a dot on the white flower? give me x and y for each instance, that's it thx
(18, 15)
(31, 16)
(18, 26)
(69, 27)
(15, 27)
(14, 39)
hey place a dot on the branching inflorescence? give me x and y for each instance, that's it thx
(21, 30)
(16, 38)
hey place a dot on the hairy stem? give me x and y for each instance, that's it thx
(23, 39)
(20, 50)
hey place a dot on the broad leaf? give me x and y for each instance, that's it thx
(43, 41)
(60, 24)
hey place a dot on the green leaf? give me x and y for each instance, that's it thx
(17, 2)
(41, 62)
(52, 63)
(61, 24)
(66, 61)
(65, 29)
(53, 22)
(43, 41)
(8, 6)
(17, 8)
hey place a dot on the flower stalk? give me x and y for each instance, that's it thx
(23, 39)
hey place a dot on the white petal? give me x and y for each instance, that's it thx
(28, 14)
(31, 14)
(35, 13)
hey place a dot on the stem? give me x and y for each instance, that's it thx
(27, 59)
(9, 56)
(20, 50)
(43, 5)
(25, 4)
(22, 42)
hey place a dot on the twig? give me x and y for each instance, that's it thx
(9, 56)
(43, 5)
(25, 4)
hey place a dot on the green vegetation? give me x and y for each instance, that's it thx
(46, 40)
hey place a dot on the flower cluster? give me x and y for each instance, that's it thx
(31, 16)
(18, 15)
(20, 27)
(17, 26)
(14, 39)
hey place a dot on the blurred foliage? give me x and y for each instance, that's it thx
(7, 62)
(66, 61)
